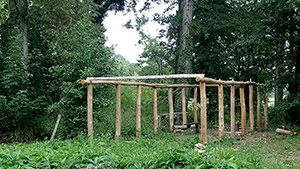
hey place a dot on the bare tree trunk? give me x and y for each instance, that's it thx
(185, 33)
(278, 88)
(22, 8)
(24, 59)
(294, 85)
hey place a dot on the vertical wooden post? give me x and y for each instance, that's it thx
(138, 111)
(221, 111)
(195, 105)
(232, 110)
(203, 112)
(90, 111)
(183, 106)
(243, 110)
(265, 111)
(118, 112)
(251, 112)
(258, 110)
(171, 108)
(155, 114)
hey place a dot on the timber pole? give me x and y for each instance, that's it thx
(221, 111)
(138, 111)
(183, 106)
(251, 112)
(90, 111)
(171, 108)
(155, 114)
(118, 112)
(232, 110)
(258, 110)
(243, 111)
(203, 112)
(195, 105)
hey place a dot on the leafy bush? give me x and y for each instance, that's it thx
(287, 113)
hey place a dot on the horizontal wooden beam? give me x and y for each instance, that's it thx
(156, 85)
(224, 82)
(172, 76)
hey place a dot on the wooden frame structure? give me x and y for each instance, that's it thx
(203, 82)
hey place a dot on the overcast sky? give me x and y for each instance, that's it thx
(125, 41)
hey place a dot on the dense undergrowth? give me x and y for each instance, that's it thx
(152, 151)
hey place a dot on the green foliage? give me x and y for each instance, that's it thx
(4, 11)
(163, 152)
(125, 68)
(155, 58)
(64, 47)
(285, 113)
(83, 55)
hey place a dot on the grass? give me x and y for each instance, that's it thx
(161, 150)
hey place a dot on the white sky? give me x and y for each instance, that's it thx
(125, 41)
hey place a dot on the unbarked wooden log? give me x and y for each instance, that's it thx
(284, 132)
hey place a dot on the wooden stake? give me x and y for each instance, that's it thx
(243, 110)
(155, 114)
(251, 112)
(232, 110)
(203, 112)
(90, 111)
(221, 112)
(258, 110)
(195, 105)
(118, 112)
(138, 111)
(55, 127)
(171, 109)
(266, 111)
(183, 106)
